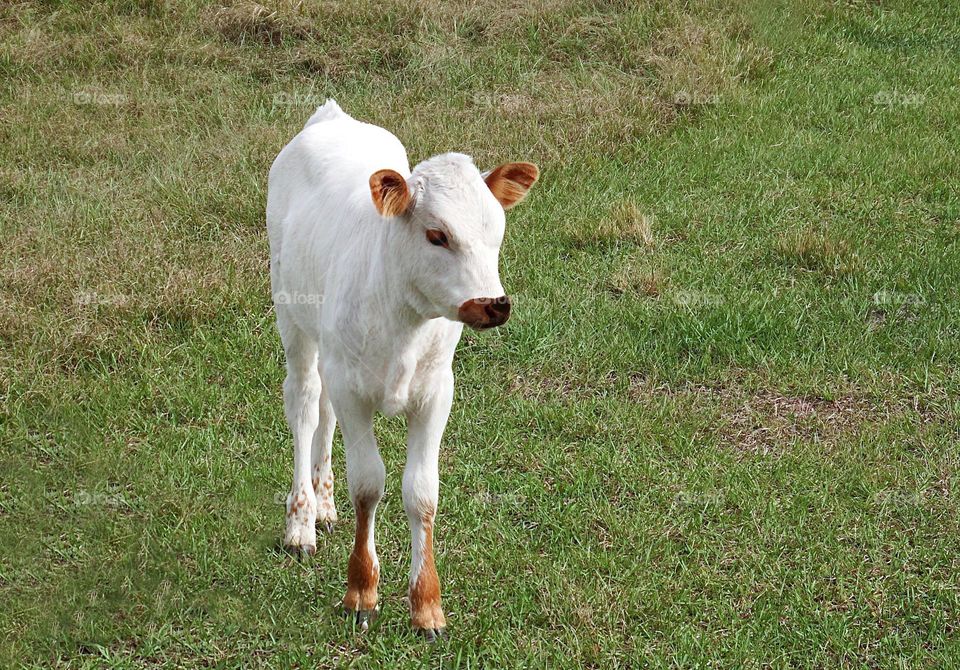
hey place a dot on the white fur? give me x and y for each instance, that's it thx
(367, 307)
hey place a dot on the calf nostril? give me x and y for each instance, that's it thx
(500, 306)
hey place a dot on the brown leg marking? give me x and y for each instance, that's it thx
(326, 508)
(300, 536)
(362, 575)
(320, 486)
(425, 608)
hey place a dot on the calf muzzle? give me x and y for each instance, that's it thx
(483, 313)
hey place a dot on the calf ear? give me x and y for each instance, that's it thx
(390, 193)
(510, 182)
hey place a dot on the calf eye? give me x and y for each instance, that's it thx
(438, 238)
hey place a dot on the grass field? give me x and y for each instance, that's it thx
(720, 430)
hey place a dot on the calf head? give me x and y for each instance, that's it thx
(447, 234)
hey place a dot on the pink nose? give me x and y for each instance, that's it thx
(481, 313)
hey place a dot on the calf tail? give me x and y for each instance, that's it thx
(326, 112)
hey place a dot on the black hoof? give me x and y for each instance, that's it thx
(301, 552)
(433, 634)
(362, 619)
(327, 527)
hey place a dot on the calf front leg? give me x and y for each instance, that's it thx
(421, 487)
(365, 480)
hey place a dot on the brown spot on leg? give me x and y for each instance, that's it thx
(425, 608)
(363, 574)
(326, 508)
(300, 535)
(322, 487)
(298, 503)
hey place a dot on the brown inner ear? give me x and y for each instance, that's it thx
(510, 182)
(389, 191)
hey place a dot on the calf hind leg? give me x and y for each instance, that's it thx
(322, 464)
(301, 400)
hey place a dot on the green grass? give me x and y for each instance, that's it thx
(721, 429)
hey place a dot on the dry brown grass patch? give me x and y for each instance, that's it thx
(593, 76)
(601, 107)
(817, 251)
(767, 420)
(73, 306)
(252, 21)
(698, 63)
(538, 385)
(747, 420)
(626, 224)
(493, 19)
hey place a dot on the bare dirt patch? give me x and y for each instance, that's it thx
(631, 280)
(748, 420)
(767, 420)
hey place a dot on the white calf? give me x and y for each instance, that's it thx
(375, 269)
